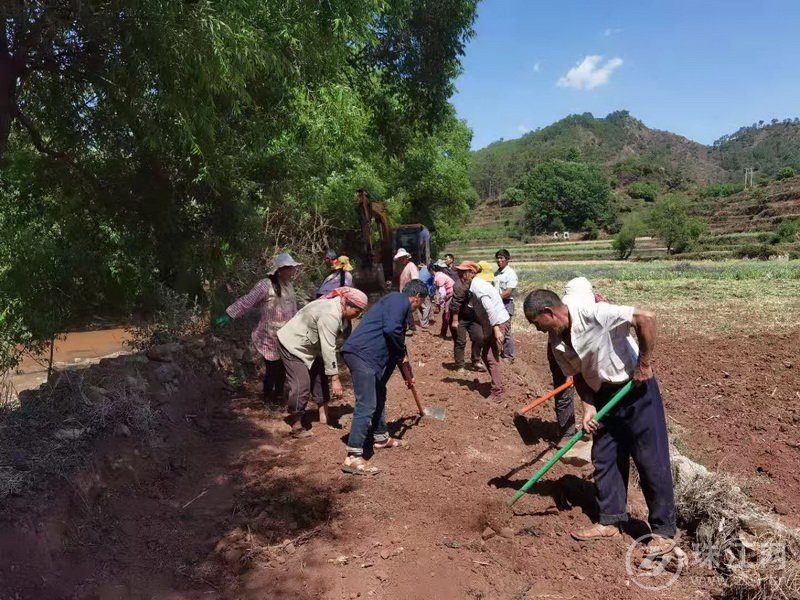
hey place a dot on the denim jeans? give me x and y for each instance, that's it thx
(370, 411)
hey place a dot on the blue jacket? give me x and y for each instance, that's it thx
(426, 277)
(380, 337)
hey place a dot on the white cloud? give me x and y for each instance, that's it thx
(537, 66)
(523, 129)
(590, 73)
(609, 32)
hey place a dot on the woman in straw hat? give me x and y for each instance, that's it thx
(277, 301)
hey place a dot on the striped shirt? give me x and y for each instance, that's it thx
(275, 313)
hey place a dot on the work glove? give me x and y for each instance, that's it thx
(222, 320)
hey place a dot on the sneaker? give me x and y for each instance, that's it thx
(478, 367)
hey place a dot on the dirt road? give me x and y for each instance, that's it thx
(225, 505)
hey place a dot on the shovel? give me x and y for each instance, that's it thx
(434, 413)
(546, 397)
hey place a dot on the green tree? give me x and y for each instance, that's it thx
(570, 191)
(785, 173)
(625, 240)
(164, 142)
(512, 197)
(670, 220)
(646, 191)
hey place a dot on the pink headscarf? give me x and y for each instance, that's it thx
(355, 297)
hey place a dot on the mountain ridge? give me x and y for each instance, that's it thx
(621, 143)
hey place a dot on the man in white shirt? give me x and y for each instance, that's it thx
(495, 319)
(592, 342)
(408, 272)
(506, 282)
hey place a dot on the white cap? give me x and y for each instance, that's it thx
(578, 291)
(402, 252)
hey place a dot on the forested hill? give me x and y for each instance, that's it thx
(622, 143)
(767, 148)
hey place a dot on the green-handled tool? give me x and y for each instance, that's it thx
(575, 438)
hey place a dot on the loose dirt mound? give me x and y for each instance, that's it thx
(222, 504)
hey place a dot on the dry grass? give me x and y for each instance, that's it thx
(757, 554)
(689, 298)
(49, 432)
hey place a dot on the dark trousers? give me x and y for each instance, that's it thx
(635, 428)
(303, 383)
(491, 358)
(274, 379)
(370, 411)
(472, 329)
(508, 349)
(564, 405)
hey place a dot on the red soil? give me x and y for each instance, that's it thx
(224, 505)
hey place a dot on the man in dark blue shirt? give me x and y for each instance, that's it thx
(371, 353)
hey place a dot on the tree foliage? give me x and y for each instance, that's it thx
(567, 192)
(163, 141)
(645, 191)
(625, 240)
(670, 220)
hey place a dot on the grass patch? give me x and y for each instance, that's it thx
(733, 296)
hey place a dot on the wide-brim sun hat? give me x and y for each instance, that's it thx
(440, 263)
(402, 253)
(283, 260)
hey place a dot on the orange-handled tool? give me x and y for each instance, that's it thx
(546, 397)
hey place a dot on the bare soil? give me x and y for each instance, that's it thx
(222, 504)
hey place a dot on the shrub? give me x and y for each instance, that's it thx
(788, 231)
(591, 229)
(758, 251)
(720, 190)
(176, 317)
(671, 222)
(645, 191)
(785, 173)
(760, 196)
(625, 241)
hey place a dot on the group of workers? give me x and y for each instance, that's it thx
(589, 340)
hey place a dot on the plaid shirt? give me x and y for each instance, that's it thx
(275, 313)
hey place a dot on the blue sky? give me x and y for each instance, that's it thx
(699, 68)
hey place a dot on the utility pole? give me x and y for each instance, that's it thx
(748, 177)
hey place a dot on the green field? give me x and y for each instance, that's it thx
(688, 297)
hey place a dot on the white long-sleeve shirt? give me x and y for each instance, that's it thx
(490, 298)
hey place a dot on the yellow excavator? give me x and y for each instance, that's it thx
(375, 272)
